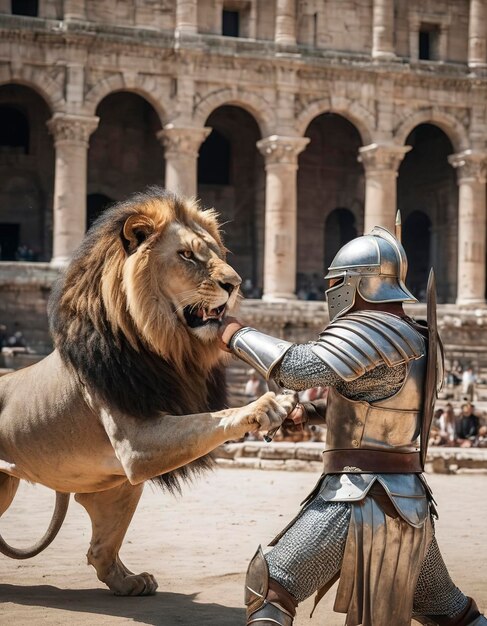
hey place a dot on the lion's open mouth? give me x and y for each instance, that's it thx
(201, 317)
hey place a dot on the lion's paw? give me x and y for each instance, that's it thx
(269, 411)
(123, 583)
(287, 401)
(138, 585)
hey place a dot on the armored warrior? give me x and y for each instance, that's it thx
(369, 520)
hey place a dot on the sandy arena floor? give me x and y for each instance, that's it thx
(198, 547)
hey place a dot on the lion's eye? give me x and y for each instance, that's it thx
(186, 254)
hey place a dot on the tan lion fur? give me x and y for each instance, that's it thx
(134, 389)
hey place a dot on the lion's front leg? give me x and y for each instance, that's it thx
(152, 447)
(111, 512)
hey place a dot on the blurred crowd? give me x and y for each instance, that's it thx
(463, 426)
(461, 382)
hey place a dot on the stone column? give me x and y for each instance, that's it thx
(181, 147)
(381, 163)
(187, 16)
(74, 10)
(383, 30)
(477, 34)
(286, 22)
(71, 137)
(281, 164)
(471, 174)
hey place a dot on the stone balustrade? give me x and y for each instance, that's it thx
(307, 457)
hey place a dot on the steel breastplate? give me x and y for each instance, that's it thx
(391, 424)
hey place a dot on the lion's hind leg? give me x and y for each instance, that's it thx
(111, 512)
(8, 489)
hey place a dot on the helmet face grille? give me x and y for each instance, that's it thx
(340, 298)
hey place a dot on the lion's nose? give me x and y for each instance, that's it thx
(227, 286)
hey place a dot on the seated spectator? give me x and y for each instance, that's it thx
(468, 384)
(16, 340)
(255, 386)
(447, 426)
(468, 426)
(482, 438)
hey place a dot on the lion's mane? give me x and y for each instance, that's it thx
(163, 369)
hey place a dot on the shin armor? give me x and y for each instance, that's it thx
(260, 611)
(469, 617)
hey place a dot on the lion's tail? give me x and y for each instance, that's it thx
(60, 509)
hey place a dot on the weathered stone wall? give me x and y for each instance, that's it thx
(299, 70)
(24, 293)
(343, 25)
(25, 289)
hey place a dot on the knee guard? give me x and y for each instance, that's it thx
(469, 617)
(261, 611)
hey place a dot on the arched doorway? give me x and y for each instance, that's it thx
(26, 175)
(125, 155)
(14, 130)
(427, 191)
(416, 237)
(329, 176)
(96, 203)
(339, 229)
(231, 178)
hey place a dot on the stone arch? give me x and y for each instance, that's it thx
(427, 185)
(146, 87)
(126, 118)
(254, 104)
(450, 125)
(352, 111)
(37, 80)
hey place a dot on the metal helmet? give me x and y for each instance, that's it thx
(374, 266)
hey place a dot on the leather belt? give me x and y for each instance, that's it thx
(371, 462)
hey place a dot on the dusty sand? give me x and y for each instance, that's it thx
(198, 547)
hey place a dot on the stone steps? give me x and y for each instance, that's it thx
(307, 456)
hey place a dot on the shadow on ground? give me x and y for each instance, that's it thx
(162, 609)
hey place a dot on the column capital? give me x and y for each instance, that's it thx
(187, 141)
(382, 158)
(74, 129)
(279, 149)
(470, 165)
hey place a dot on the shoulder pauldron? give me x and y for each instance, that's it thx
(360, 341)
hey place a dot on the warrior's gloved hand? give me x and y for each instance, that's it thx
(296, 420)
(228, 328)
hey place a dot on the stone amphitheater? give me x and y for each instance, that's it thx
(303, 122)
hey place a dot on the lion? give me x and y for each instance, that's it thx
(134, 389)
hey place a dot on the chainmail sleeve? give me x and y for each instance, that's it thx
(301, 369)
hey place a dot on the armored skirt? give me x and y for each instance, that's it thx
(389, 568)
